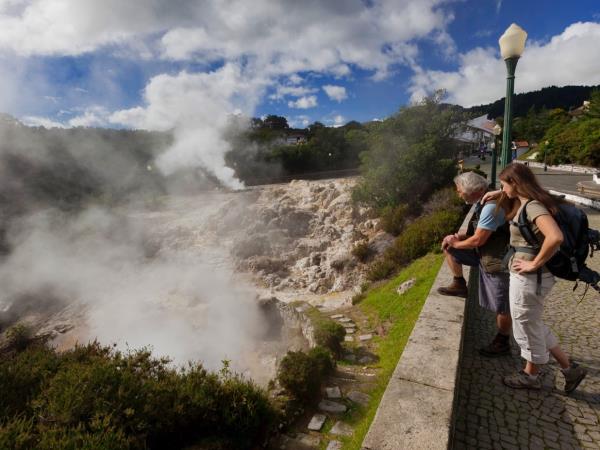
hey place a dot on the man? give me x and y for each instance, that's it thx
(484, 245)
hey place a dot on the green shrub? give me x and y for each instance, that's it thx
(301, 374)
(21, 378)
(420, 237)
(322, 358)
(381, 269)
(96, 397)
(18, 434)
(357, 298)
(329, 334)
(423, 235)
(19, 337)
(361, 251)
(393, 218)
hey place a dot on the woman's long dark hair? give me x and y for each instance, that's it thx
(527, 185)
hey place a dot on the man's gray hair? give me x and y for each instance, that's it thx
(471, 183)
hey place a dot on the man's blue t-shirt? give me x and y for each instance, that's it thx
(489, 219)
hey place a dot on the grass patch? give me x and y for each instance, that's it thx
(383, 304)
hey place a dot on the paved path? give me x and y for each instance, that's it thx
(552, 179)
(490, 415)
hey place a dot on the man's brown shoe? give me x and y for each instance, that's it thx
(458, 288)
(500, 346)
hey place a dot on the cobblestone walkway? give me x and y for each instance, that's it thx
(490, 415)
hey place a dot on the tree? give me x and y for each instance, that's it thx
(276, 122)
(411, 154)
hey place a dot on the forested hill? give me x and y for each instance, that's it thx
(566, 97)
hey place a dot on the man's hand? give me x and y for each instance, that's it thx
(449, 240)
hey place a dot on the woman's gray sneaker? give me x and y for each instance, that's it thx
(573, 376)
(522, 380)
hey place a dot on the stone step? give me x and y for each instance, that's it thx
(359, 397)
(341, 429)
(334, 445)
(332, 407)
(333, 392)
(317, 421)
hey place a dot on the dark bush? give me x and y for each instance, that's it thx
(301, 374)
(322, 358)
(96, 397)
(393, 218)
(381, 269)
(443, 200)
(329, 334)
(361, 251)
(19, 337)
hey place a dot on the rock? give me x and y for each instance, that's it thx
(359, 397)
(337, 316)
(381, 242)
(333, 392)
(350, 356)
(341, 429)
(317, 421)
(350, 330)
(365, 337)
(308, 440)
(367, 360)
(405, 286)
(332, 407)
(345, 320)
(348, 339)
(334, 445)
(349, 325)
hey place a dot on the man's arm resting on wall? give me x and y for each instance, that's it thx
(477, 240)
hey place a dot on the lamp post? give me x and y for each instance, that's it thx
(497, 130)
(545, 151)
(512, 44)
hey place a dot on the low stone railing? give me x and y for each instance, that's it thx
(562, 167)
(416, 410)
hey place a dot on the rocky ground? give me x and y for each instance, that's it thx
(296, 239)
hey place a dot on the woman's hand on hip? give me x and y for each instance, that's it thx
(522, 266)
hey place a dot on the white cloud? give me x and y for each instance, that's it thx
(94, 116)
(318, 36)
(293, 91)
(36, 121)
(304, 102)
(301, 121)
(480, 78)
(339, 120)
(337, 93)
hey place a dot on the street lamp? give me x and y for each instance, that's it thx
(512, 44)
(545, 151)
(497, 130)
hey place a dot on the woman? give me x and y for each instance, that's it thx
(530, 281)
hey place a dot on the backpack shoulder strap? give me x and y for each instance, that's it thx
(525, 227)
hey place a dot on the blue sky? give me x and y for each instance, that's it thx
(86, 63)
